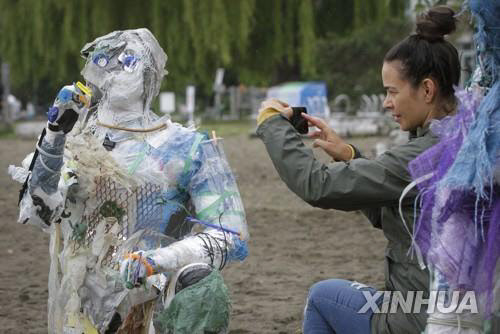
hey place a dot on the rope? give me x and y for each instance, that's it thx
(158, 127)
(412, 235)
(48, 154)
(50, 170)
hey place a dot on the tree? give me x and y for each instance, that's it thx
(351, 64)
(259, 42)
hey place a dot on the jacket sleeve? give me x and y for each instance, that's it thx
(358, 184)
(374, 215)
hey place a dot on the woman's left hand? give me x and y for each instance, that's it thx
(328, 140)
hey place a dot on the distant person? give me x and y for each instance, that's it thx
(419, 75)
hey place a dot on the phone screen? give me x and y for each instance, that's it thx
(299, 122)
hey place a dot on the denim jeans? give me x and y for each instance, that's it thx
(332, 307)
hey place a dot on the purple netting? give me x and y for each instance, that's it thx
(457, 230)
(437, 160)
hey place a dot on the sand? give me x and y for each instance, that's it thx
(292, 246)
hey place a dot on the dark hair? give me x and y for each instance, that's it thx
(427, 54)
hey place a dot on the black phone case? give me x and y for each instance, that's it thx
(299, 122)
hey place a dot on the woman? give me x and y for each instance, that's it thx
(419, 74)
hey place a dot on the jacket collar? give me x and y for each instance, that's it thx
(419, 132)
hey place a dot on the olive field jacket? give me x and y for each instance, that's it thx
(372, 186)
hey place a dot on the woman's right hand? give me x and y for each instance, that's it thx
(328, 140)
(272, 107)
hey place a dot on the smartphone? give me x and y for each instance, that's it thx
(299, 122)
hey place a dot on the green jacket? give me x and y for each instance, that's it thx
(372, 186)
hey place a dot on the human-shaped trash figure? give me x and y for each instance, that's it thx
(142, 212)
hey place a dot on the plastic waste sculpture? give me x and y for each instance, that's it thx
(142, 212)
(458, 231)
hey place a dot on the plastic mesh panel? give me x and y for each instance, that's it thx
(128, 209)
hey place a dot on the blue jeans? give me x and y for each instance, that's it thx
(332, 307)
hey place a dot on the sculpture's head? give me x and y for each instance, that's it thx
(125, 69)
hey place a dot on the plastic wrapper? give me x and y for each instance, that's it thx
(218, 198)
(187, 315)
(18, 174)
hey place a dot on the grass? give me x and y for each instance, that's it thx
(7, 132)
(228, 128)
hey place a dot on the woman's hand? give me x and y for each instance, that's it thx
(328, 140)
(272, 107)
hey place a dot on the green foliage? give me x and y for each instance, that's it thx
(351, 64)
(423, 5)
(41, 39)
(6, 131)
(334, 16)
(258, 42)
(307, 38)
(111, 209)
(376, 11)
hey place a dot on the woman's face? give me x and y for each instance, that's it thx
(407, 104)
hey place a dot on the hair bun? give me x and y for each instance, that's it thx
(436, 22)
